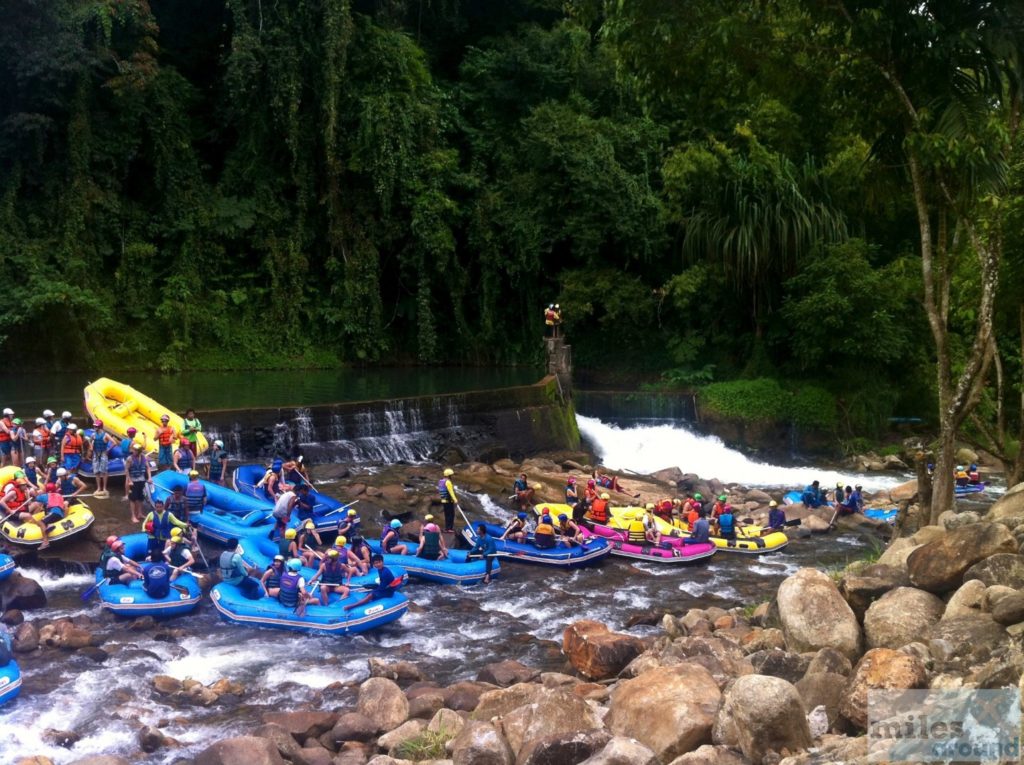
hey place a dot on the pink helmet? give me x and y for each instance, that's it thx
(111, 540)
(97, 423)
(572, 479)
(591, 482)
(131, 431)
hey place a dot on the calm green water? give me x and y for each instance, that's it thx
(29, 394)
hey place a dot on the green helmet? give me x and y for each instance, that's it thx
(721, 498)
(697, 496)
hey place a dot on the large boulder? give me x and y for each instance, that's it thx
(20, 592)
(880, 669)
(555, 712)
(813, 615)
(391, 741)
(1010, 505)
(900, 617)
(897, 552)
(303, 724)
(965, 641)
(904, 492)
(830, 660)
(506, 673)
(353, 726)
(762, 714)
(788, 666)
(382, 701)
(822, 689)
(241, 750)
(597, 652)
(566, 747)
(622, 751)
(711, 755)
(671, 710)
(939, 566)
(966, 601)
(286, 744)
(501, 701)
(480, 743)
(1005, 568)
(871, 583)
(1009, 610)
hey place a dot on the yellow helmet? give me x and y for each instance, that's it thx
(448, 472)
(176, 533)
(289, 534)
(340, 542)
(606, 495)
(332, 553)
(649, 506)
(428, 517)
(309, 524)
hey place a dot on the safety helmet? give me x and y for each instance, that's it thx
(557, 306)
(19, 475)
(176, 533)
(65, 415)
(448, 472)
(536, 486)
(131, 431)
(16, 421)
(40, 421)
(340, 541)
(51, 486)
(61, 472)
(697, 496)
(148, 527)
(111, 540)
(959, 467)
(179, 489)
(352, 512)
(289, 533)
(591, 482)
(571, 479)
(294, 564)
(276, 465)
(546, 518)
(396, 524)
(428, 517)
(8, 411)
(136, 444)
(332, 553)
(279, 558)
(72, 426)
(51, 460)
(839, 484)
(193, 473)
(721, 498)
(309, 525)
(47, 413)
(649, 506)
(118, 545)
(773, 503)
(165, 418)
(218, 443)
(97, 423)
(522, 514)
(29, 459)
(605, 495)
(973, 466)
(563, 517)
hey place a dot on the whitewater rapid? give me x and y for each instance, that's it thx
(649, 448)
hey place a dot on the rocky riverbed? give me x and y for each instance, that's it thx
(736, 662)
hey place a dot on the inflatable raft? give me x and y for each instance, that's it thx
(879, 514)
(7, 566)
(327, 511)
(527, 552)
(115, 460)
(132, 599)
(227, 515)
(10, 681)
(78, 518)
(234, 607)
(796, 498)
(971, 488)
(260, 551)
(120, 407)
(455, 569)
(750, 539)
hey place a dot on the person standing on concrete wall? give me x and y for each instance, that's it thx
(446, 490)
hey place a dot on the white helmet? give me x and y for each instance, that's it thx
(47, 413)
(40, 421)
(61, 472)
(8, 410)
(65, 415)
(72, 426)
(219, 443)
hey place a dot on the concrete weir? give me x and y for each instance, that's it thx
(486, 424)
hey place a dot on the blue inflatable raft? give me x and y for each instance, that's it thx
(132, 600)
(889, 516)
(7, 566)
(971, 488)
(10, 681)
(115, 460)
(234, 607)
(260, 551)
(227, 515)
(327, 511)
(526, 552)
(455, 569)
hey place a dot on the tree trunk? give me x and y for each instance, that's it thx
(943, 480)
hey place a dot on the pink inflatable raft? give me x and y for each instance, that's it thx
(675, 552)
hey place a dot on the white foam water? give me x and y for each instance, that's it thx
(649, 448)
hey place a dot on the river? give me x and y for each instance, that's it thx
(451, 632)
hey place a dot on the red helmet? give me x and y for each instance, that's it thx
(149, 526)
(111, 540)
(53, 487)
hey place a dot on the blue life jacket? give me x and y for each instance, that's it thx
(289, 593)
(98, 444)
(184, 459)
(304, 505)
(442, 490)
(229, 571)
(161, 525)
(67, 486)
(216, 464)
(30, 474)
(195, 494)
(274, 580)
(385, 535)
(176, 506)
(727, 524)
(177, 556)
(156, 581)
(126, 447)
(333, 571)
(137, 467)
(520, 485)
(571, 497)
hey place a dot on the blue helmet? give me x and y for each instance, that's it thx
(396, 524)
(276, 465)
(294, 564)
(522, 515)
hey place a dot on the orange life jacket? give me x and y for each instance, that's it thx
(72, 443)
(19, 493)
(4, 435)
(41, 437)
(599, 511)
(166, 435)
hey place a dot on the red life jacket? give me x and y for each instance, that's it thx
(4, 435)
(72, 444)
(20, 496)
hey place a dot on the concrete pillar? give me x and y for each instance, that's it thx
(560, 363)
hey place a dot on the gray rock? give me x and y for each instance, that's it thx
(19, 592)
(1005, 569)
(813, 615)
(940, 565)
(829, 660)
(382, 701)
(392, 740)
(621, 750)
(880, 669)
(150, 739)
(760, 715)
(711, 755)
(26, 638)
(506, 673)
(480, 743)
(353, 726)
(789, 666)
(900, 617)
(822, 689)
(555, 712)
(286, 744)
(566, 747)
(399, 671)
(1009, 610)
(966, 601)
(241, 750)
(965, 641)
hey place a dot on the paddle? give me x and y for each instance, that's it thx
(180, 589)
(94, 589)
(339, 509)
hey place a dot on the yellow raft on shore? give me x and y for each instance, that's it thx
(120, 407)
(79, 517)
(749, 539)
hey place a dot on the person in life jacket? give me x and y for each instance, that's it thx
(271, 579)
(549, 320)
(304, 541)
(234, 570)
(568, 532)
(727, 523)
(195, 495)
(176, 503)
(515, 531)
(349, 524)
(137, 474)
(664, 508)
(524, 492)
(6, 433)
(305, 503)
(962, 478)
(291, 591)
(334, 576)
(590, 493)
(777, 516)
(718, 507)
(183, 459)
(288, 545)
(158, 525)
(57, 432)
(18, 439)
(156, 580)
(700, 530)
(71, 448)
(387, 584)
(117, 567)
(16, 504)
(50, 472)
(40, 440)
(49, 425)
(544, 533)
(361, 552)
(390, 540)
(272, 483)
(811, 496)
(52, 504)
(282, 512)
(166, 435)
(973, 475)
(69, 484)
(190, 429)
(178, 553)
(651, 533)
(449, 500)
(636, 532)
(484, 547)
(32, 473)
(431, 543)
(599, 512)
(98, 448)
(572, 499)
(217, 468)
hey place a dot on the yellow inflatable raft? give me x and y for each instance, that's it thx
(120, 407)
(750, 540)
(78, 518)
